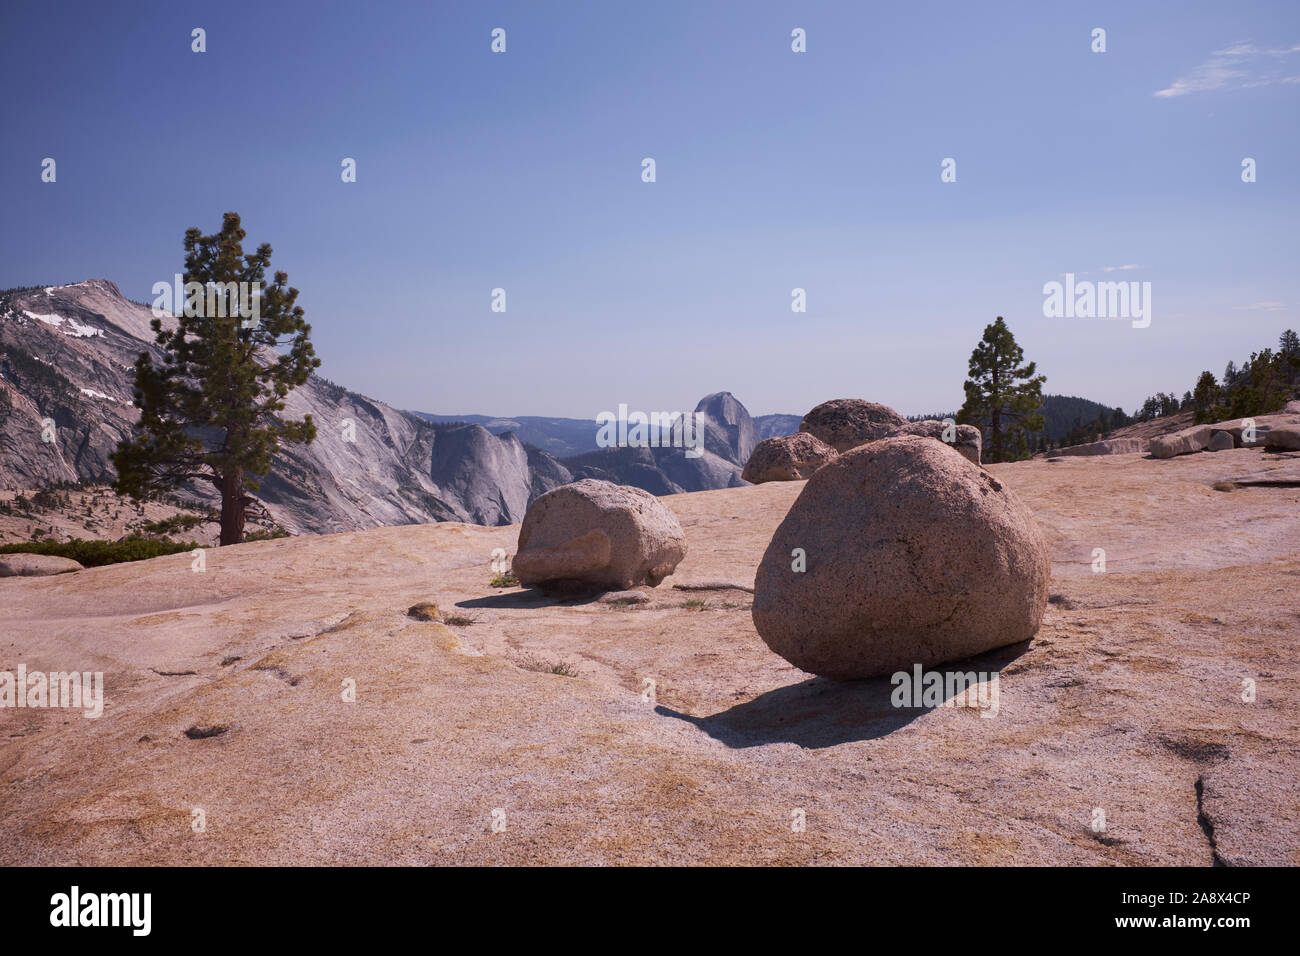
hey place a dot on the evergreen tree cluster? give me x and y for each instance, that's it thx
(1261, 384)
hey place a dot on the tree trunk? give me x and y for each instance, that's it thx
(233, 507)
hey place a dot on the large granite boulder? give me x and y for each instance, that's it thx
(1181, 443)
(966, 439)
(913, 555)
(35, 565)
(790, 458)
(845, 423)
(596, 535)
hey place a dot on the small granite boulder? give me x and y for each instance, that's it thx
(596, 535)
(1181, 443)
(845, 423)
(790, 458)
(910, 555)
(1220, 441)
(35, 565)
(966, 438)
(1283, 438)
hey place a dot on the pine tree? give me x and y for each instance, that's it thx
(208, 412)
(1206, 399)
(1002, 395)
(1288, 347)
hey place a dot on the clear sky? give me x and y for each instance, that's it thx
(775, 170)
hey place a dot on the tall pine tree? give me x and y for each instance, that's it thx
(208, 412)
(1003, 397)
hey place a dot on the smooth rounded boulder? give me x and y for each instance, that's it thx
(788, 458)
(965, 439)
(595, 534)
(24, 565)
(910, 555)
(845, 423)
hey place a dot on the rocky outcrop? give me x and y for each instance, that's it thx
(598, 535)
(912, 555)
(729, 431)
(1181, 443)
(729, 437)
(845, 423)
(791, 458)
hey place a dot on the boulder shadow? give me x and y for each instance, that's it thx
(532, 598)
(818, 713)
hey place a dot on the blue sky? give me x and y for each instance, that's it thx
(775, 170)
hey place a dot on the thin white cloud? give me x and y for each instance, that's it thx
(1124, 268)
(1240, 66)
(1260, 307)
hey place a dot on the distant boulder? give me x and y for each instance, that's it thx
(1108, 446)
(1181, 443)
(791, 458)
(911, 556)
(1220, 441)
(1283, 438)
(35, 565)
(966, 438)
(845, 423)
(595, 535)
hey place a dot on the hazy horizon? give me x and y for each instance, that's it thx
(775, 170)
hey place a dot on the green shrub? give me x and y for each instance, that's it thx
(93, 553)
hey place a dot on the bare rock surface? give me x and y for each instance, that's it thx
(913, 556)
(845, 423)
(1130, 693)
(790, 458)
(598, 535)
(35, 565)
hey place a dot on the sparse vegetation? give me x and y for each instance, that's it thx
(459, 620)
(507, 580)
(424, 611)
(530, 662)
